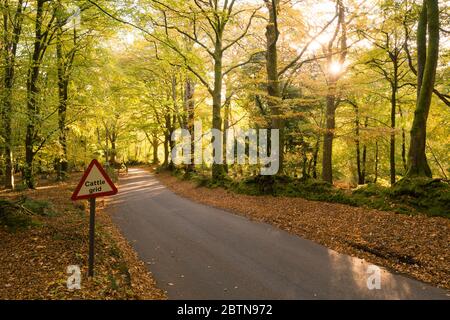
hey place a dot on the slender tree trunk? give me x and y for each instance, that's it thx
(63, 85)
(189, 106)
(392, 137)
(7, 119)
(364, 156)
(10, 50)
(168, 143)
(273, 84)
(32, 94)
(364, 162)
(166, 151)
(331, 103)
(315, 157)
(217, 168)
(310, 164)
(305, 174)
(155, 149)
(171, 146)
(421, 46)
(327, 152)
(226, 125)
(65, 62)
(417, 160)
(358, 162)
(376, 162)
(31, 128)
(171, 120)
(404, 161)
(358, 146)
(113, 153)
(106, 145)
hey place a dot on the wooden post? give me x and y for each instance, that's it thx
(91, 236)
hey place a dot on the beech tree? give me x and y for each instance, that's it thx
(12, 29)
(427, 59)
(389, 61)
(334, 69)
(44, 32)
(340, 87)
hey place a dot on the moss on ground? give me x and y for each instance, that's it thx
(18, 215)
(408, 196)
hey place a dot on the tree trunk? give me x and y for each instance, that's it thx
(392, 136)
(189, 106)
(7, 119)
(417, 160)
(171, 120)
(63, 85)
(155, 149)
(364, 156)
(226, 125)
(168, 143)
(10, 51)
(358, 146)
(31, 128)
(217, 168)
(327, 152)
(404, 161)
(106, 145)
(376, 162)
(273, 85)
(113, 153)
(64, 62)
(32, 93)
(166, 151)
(315, 157)
(327, 156)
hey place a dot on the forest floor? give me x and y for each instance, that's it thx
(34, 260)
(416, 245)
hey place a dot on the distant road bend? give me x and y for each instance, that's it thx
(199, 252)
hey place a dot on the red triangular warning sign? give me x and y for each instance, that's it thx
(94, 183)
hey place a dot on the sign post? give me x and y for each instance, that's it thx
(91, 236)
(94, 183)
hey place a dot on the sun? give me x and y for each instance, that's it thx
(335, 68)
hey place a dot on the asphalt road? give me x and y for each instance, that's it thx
(198, 252)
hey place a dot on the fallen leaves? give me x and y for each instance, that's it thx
(33, 262)
(416, 245)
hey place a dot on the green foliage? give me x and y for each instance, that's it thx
(21, 187)
(286, 186)
(13, 216)
(113, 282)
(408, 196)
(201, 180)
(19, 214)
(431, 195)
(112, 173)
(38, 207)
(120, 267)
(126, 95)
(135, 162)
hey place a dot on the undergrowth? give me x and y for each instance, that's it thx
(17, 215)
(408, 196)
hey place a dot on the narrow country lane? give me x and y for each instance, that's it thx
(198, 252)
